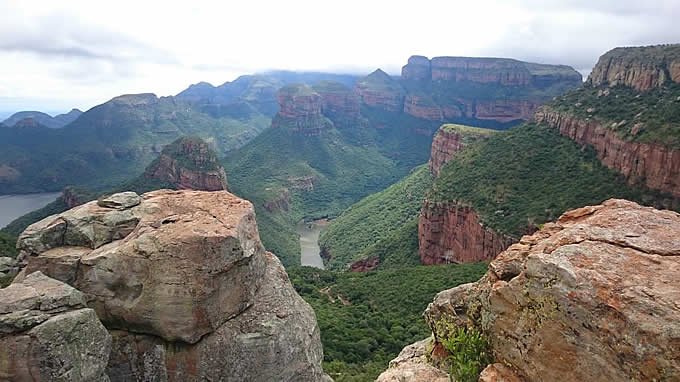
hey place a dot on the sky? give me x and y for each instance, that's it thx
(58, 55)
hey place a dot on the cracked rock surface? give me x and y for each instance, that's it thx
(183, 283)
(592, 297)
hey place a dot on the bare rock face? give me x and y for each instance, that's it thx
(300, 110)
(339, 103)
(592, 297)
(656, 165)
(381, 91)
(188, 163)
(411, 366)
(449, 233)
(184, 284)
(641, 68)
(450, 139)
(441, 88)
(47, 333)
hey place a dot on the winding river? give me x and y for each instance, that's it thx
(13, 206)
(309, 242)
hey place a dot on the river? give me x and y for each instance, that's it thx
(309, 242)
(13, 206)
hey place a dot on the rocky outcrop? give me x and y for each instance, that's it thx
(655, 165)
(365, 265)
(411, 366)
(47, 333)
(381, 91)
(421, 106)
(450, 139)
(300, 110)
(592, 297)
(184, 284)
(450, 233)
(188, 163)
(280, 203)
(641, 68)
(497, 89)
(339, 103)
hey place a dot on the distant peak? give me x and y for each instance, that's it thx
(135, 99)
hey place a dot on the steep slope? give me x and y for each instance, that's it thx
(497, 190)
(587, 298)
(629, 112)
(490, 92)
(364, 226)
(111, 143)
(363, 319)
(44, 119)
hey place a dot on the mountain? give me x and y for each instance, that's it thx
(629, 112)
(112, 142)
(55, 122)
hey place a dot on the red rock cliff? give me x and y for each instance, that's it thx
(656, 165)
(189, 163)
(449, 233)
(339, 103)
(380, 90)
(300, 110)
(641, 68)
(450, 139)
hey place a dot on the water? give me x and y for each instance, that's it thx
(309, 241)
(13, 206)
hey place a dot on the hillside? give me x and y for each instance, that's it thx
(374, 221)
(527, 176)
(363, 319)
(111, 142)
(56, 122)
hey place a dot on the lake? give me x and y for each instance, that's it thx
(309, 242)
(13, 206)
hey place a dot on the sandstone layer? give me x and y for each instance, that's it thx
(47, 333)
(339, 103)
(381, 91)
(188, 163)
(449, 233)
(450, 139)
(592, 297)
(411, 366)
(641, 68)
(656, 166)
(300, 110)
(183, 283)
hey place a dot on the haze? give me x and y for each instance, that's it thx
(59, 55)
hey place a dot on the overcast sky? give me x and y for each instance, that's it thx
(56, 55)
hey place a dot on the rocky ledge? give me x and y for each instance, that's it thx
(183, 284)
(300, 110)
(592, 297)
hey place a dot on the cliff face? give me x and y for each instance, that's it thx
(339, 103)
(588, 298)
(497, 89)
(380, 90)
(657, 166)
(184, 286)
(300, 110)
(641, 68)
(449, 233)
(189, 163)
(449, 139)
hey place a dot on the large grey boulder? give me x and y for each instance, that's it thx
(47, 333)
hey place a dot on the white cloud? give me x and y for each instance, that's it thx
(58, 55)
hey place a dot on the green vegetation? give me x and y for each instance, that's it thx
(652, 116)
(8, 245)
(111, 143)
(468, 348)
(528, 176)
(323, 174)
(371, 223)
(192, 153)
(468, 134)
(384, 312)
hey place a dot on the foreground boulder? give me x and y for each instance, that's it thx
(592, 297)
(47, 333)
(183, 283)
